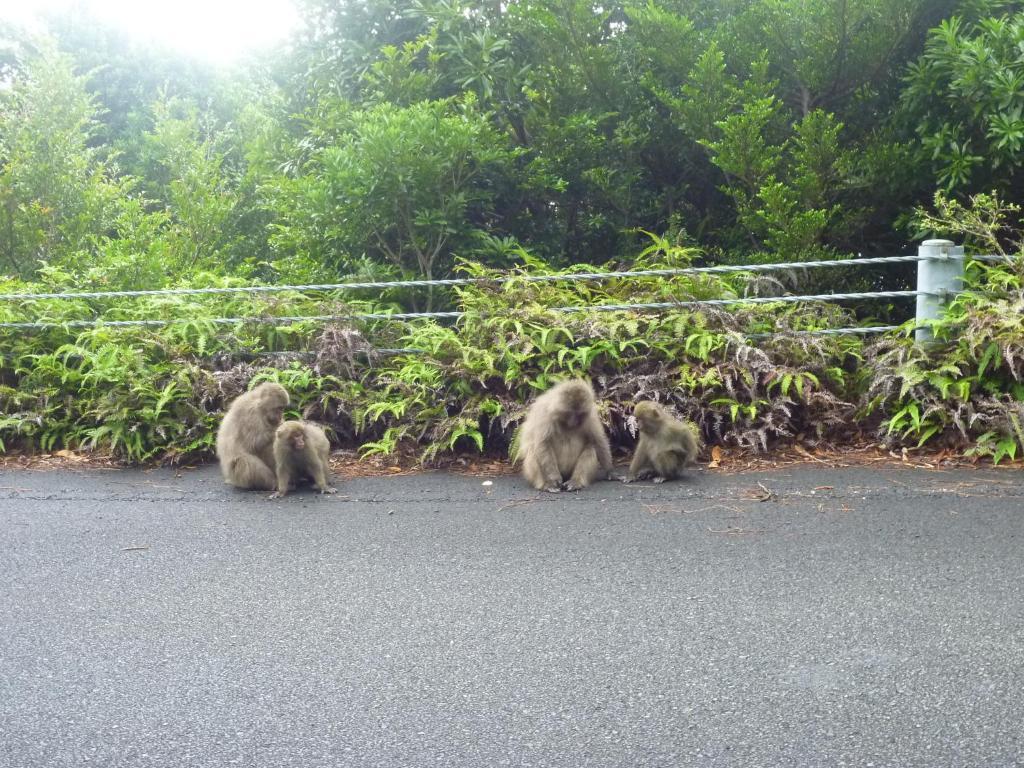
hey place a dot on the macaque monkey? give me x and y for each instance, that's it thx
(301, 448)
(245, 439)
(562, 443)
(666, 445)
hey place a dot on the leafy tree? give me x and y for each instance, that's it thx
(57, 190)
(786, 175)
(790, 98)
(184, 164)
(407, 186)
(339, 42)
(965, 96)
(832, 55)
(126, 77)
(632, 115)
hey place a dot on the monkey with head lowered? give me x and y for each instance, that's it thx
(301, 448)
(666, 445)
(562, 443)
(245, 439)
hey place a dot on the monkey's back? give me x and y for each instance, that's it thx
(674, 449)
(317, 439)
(243, 431)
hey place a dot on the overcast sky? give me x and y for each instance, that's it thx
(218, 31)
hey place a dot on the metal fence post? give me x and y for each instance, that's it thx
(940, 273)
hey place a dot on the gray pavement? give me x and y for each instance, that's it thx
(801, 617)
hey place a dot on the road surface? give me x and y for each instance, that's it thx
(799, 617)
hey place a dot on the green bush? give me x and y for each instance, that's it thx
(405, 186)
(426, 138)
(58, 191)
(965, 98)
(156, 393)
(967, 389)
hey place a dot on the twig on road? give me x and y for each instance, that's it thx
(661, 509)
(766, 494)
(518, 503)
(726, 507)
(733, 531)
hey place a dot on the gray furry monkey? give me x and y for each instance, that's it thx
(245, 438)
(666, 445)
(562, 443)
(301, 448)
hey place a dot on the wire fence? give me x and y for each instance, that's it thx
(721, 269)
(455, 315)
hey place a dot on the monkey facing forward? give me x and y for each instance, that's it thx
(666, 444)
(562, 443)
(245, 437)
(301, 448)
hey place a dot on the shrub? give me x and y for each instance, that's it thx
(155, 393)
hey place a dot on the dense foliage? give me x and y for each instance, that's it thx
(404, 138)
(159, 392)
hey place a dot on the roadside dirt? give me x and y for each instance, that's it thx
(346, 463)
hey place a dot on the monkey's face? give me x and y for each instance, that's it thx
(293, 435)
(273, 411)
(273, 401)
(576, 404)
(648, 417)
(572, 420)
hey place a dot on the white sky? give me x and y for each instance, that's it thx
(217, 31)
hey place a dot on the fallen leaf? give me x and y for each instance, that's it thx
(806, 454)
(716, 458)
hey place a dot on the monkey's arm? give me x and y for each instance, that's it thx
(684, 442)
(600, 442)
(547, 461)
(587, 470)
(284, 475)
(641, 465)
(267, 455)
(318, 465)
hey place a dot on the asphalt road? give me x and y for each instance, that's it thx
(803, 617)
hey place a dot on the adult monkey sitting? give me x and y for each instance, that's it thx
(562, 443)
(245, 440)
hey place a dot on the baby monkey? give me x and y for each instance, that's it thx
(666, 445)
(301, 448)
